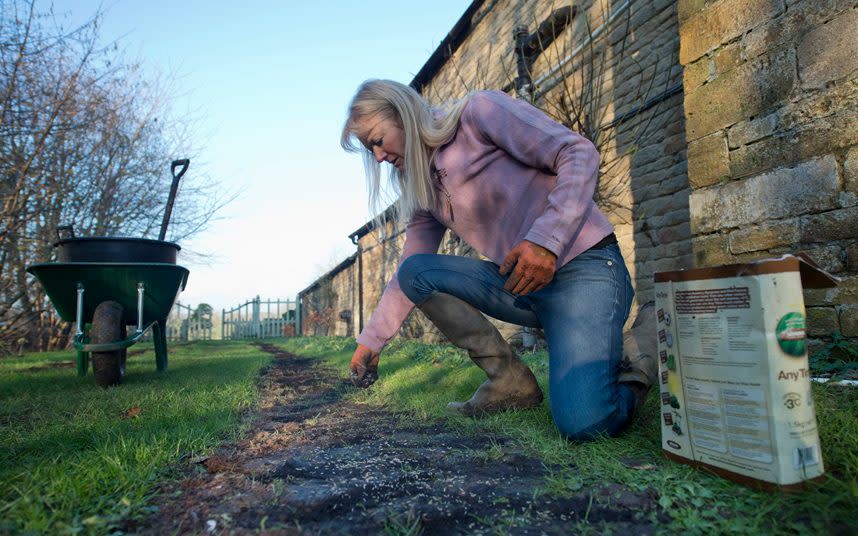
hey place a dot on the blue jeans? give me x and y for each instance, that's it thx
(582, 312)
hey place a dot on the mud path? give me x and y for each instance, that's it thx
(316, 463)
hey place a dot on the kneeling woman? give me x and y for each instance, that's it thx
(518, 187)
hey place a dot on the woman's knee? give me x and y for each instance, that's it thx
(579, 429)
(408, 274)
(581, 423)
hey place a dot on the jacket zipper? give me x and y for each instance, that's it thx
(443, 173)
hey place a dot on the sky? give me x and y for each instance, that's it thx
(269, 82)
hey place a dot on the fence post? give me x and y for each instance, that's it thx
(256, 324)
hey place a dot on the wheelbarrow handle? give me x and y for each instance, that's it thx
(65, 232)
(183, 163)
(174, 187)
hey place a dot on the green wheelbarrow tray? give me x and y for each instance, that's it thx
(155, 286)
(112, 281)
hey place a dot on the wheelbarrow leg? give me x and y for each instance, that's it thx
(159, 333)
(82, 357)
(82, 363)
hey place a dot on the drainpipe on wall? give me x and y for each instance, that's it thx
(354, 238)
(528, 46)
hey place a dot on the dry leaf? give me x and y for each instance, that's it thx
(130, 413)
(645, 467)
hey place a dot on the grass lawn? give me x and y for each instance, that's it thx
(419, 379)
(78, 458)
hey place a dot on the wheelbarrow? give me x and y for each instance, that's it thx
(103, 284)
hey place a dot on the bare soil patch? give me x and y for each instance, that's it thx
(51, 366)
(315, 462)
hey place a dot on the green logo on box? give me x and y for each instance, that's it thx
(791, 334)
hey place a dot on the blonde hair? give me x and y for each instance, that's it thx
(425, 129)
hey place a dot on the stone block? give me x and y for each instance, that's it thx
(654, 207)
(644, 289)
(661, 182)
(673, 233)
(672, 119)
(727, 58)
(647, 155)
(641, 256)
(617, 215)
(674, 144)
(812, 107)
(707, 28)
(687, 8)
(811, 186)
(845, 293)
(652, 225)
(711, 250)
(658, 165)
(754, 256)
(696, 74)
(852, 257)
(829, 258)
(643, 241)
(641, 13)
(849, 320)
(677, 216)
(850, 171)
(822, 321)
(752, 130)
(682, 262)
(833, 225)
(741, 93)
(819, 137)
(803, 16)
(848, 199)
(764, 38)
(800, 18)
(829, 52)
(708, 162)
(673, 249)
(767, 235)
(815, 345)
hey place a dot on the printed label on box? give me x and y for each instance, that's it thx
(734, 372)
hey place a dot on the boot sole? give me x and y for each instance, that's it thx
(465, 409)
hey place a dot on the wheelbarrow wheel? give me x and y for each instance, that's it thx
(107, 327)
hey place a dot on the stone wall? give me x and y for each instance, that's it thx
(329, 305)
(771, 100)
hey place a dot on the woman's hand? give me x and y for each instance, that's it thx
(534, 267)
(363, 369)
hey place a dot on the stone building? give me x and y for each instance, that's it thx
(726, 128)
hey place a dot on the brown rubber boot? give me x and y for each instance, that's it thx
(639, 367)
(511, 384)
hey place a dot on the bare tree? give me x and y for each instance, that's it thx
(85, 139)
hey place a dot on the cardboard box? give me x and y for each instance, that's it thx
(734, 377)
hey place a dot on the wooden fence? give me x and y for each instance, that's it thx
(186, 323)
(261, 319)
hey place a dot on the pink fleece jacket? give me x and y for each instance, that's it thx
(512, 174)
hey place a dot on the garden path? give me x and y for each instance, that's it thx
(314, 462)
